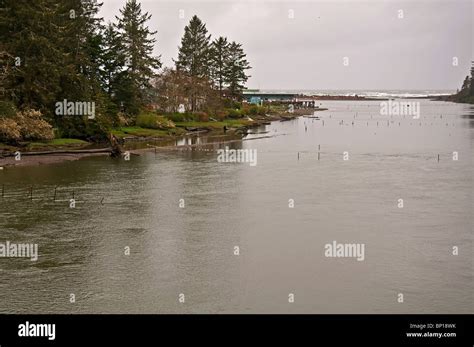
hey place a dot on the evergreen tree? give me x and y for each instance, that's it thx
(465, 85)
(194, 61)
(54, 45)
(193, 56)
(31, 42)
(236, 65)
(140, 65)
(219, 61)
(112, 60)
(80, 42)
(471, 89)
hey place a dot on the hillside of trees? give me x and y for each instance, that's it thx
(61, 50)
(466, 93)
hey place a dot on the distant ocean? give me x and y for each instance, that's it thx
(383, 94)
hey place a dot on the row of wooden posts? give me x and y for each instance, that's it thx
(30, 194)
(31, 189)
(319, 153)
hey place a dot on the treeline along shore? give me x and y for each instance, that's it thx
(71, 81)
(465, 94)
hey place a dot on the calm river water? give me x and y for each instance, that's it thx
(190, 250)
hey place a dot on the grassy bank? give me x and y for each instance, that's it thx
(61, 143)
(136, 131)
(57, 144)
(151, 125)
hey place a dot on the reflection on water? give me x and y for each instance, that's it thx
(190, 250)
(187, 140)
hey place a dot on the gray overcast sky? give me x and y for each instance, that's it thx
(307, 51)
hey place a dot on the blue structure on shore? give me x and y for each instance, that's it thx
(255, 100)
(256, 97)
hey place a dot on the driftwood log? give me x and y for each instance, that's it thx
(116, 147)
(115, 150)
(65, 151)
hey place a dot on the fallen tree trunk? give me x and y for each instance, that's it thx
(65, 151)
(116, 150)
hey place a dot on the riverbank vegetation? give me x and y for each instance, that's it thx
(54, 52)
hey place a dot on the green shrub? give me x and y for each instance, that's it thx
(146, 120)
(153, 121)
(234, 114)
(180, 117)
(254, 110)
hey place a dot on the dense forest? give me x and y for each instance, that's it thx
(59, 59)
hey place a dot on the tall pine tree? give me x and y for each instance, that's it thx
(194, 60)
(81, 41)
(140, 65)
(471, 90)
(219, 60)
(31, 40)
(112, 60)
(193, 55)
(235, 70)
